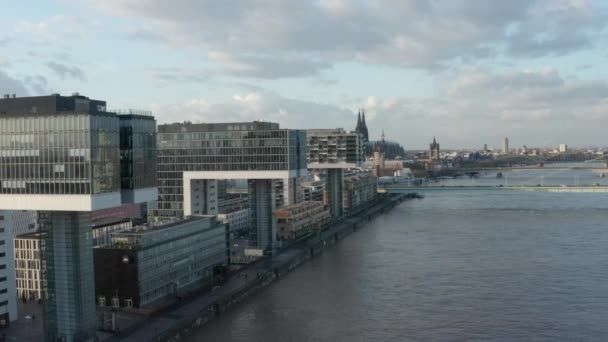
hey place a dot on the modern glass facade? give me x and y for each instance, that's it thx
(103, 229)
(61, 146)
(250, 146)
(68, 281)
(162, 259)
(137, 150)
(59, 154)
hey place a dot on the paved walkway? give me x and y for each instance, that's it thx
(25, 329)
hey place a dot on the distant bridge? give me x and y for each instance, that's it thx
(532, 168)
(404, 189)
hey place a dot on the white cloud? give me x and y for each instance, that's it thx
(257, 104)
(272, 39)
(22, 86)
(476, 104)
(52, 30)
(9, 85)
(264, 66)
(66, 71)
(182, 75)
(472, 105)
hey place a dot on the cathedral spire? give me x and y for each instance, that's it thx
(358, 128)
(364, 130)
(363, 119)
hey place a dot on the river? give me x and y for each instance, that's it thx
(454, 266)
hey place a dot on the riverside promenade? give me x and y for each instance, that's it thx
(176, 323)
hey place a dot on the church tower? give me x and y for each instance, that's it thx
(379, 150)
(434, 150)
(362, 126)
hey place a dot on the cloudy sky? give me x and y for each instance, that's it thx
(466, 71)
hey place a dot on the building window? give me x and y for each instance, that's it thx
(2, 279)
(2, 267)
(3, 291)
(101, 301)
(128, 303)
(115, 302)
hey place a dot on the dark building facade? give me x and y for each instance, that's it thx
(137, 153)
(145, 264)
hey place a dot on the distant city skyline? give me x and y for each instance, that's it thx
(466, 72)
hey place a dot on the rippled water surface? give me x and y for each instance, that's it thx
(458, 266)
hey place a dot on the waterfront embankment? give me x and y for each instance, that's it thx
(183, 320)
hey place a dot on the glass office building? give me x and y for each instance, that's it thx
(137, 149)
(61, 156)
(76, 153)
(145, 264)
(245, 146)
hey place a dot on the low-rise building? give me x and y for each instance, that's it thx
(313, 191)
(236, 213)
(103, 228)
(239, 252)
(359, 189)
(238, 221)
(146, 264)
(298, 219)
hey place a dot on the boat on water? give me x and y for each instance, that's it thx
(499, 175)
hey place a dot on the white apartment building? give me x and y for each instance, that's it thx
(27, 266)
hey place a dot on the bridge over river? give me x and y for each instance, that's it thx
(531, 168)
(404, 188)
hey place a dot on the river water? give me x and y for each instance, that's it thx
(454, 266)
